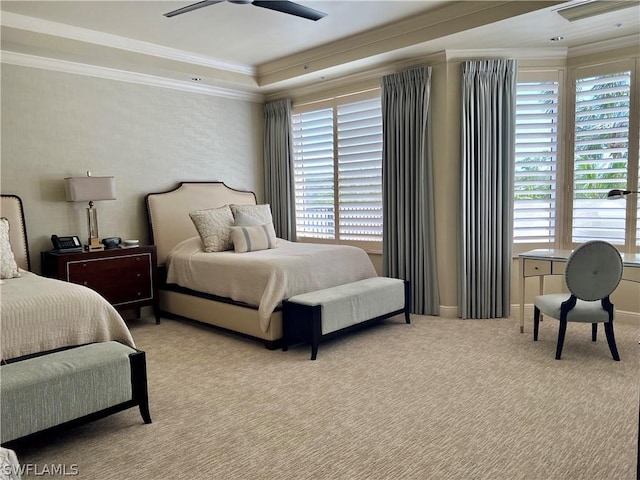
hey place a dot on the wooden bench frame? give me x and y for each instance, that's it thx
(303, 323)
(139, 394)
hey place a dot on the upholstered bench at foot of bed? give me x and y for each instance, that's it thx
(312, 316)
(71, 386)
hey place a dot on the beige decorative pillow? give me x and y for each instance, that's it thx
(213, 227)
(250, 239)
(8, 265)
(262, 213)
(244, 220)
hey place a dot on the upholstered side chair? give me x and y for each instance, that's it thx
(593, 272)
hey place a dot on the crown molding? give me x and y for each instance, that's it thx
(555, 53)
(357, 81)
(605, 46)
(46, 27)
(32, 61)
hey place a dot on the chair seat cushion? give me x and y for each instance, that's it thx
(587, 312)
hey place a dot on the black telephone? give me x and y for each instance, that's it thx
(67, 244)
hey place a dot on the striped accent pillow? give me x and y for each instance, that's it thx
(250, 239)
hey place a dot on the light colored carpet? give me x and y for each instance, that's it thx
(437, 399)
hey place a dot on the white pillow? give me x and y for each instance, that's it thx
(213, 227)
(245, 220)
(8, 265)
(262, 213)
(250, 239)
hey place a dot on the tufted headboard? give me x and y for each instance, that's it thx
(168, 212)
(11, 209)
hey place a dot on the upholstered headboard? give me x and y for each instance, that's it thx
(11, 209)
(168, 212)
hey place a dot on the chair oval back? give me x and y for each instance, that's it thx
(594, 270)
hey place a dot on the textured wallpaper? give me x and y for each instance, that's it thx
(56, 125)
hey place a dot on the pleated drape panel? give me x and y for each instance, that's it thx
(487, 163)
(278, 167)
(408, 210)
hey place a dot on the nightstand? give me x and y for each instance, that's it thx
(125, 277)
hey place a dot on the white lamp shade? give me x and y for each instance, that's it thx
(87, 189)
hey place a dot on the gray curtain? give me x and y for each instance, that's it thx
(488, 150)
(278, 167)
(408, 212)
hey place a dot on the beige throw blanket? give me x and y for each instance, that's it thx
(264, 278)
(40, 314)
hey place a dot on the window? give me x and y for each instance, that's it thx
(601, 156)
(565, 163)
(337, 152)
(536, 161)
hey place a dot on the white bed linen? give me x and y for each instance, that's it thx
(38, 314)
(264, 278)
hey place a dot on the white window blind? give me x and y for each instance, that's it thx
(360, 170)
(313, 173)
(536, 162)
(600, 156)
(338, 168)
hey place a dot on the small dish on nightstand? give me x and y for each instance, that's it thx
(131, 243)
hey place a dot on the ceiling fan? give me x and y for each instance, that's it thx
(280, 6)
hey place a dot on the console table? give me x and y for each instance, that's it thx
(551, 261)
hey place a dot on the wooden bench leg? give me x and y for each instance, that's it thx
(285, 320)
(407, 301)
(316, 330)
(139, 383)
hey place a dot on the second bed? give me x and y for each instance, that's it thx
(241, 292)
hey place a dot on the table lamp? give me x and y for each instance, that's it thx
(91, 189)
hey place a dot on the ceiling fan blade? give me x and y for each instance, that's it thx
(193, 6)
(290, 8)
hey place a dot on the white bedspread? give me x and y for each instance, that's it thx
(39, 314)
(264, 278)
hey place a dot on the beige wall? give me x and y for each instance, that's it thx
(56, 125)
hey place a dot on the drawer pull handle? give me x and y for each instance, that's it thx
(138, 275)
(85, 283)
(535, 268)
(139, 293)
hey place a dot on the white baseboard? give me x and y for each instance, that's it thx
(448, 312)
(628, 318)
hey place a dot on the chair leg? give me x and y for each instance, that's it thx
(611, 340)
(594, 331)
(536, 323)
(561, 333)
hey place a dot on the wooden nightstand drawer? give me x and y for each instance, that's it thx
(122, 279)
(125, 277)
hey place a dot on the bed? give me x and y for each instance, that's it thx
(41, 314)
(240, 292)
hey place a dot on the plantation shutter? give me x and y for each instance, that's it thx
(600, 156)
(313, 173)
(360, 170)
(536, 162)
(338, 169)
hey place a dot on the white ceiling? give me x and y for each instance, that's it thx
(251, 49)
